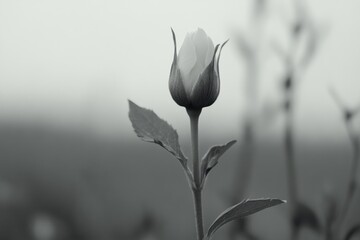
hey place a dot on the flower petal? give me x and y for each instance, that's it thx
(210, 51)
(176, 86)
(201, 43)
(207, 87)
(187, 60)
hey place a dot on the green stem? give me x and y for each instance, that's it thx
(194, 124)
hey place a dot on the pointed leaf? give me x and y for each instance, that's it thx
(240, 210)
(211, 158)
(218, 58)
(176, 85)
(150, 128)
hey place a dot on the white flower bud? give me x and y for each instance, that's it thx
(194, 77)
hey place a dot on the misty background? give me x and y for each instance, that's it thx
(70, 162)
(75, 63)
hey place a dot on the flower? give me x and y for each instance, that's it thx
(194, 80)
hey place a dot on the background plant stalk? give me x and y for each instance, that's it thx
(197, 191)
(290, 160)
(352, 186)
(290, 166)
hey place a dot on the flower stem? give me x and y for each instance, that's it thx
(194, 124)
(198, 214)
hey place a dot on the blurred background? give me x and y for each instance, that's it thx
(71, 166)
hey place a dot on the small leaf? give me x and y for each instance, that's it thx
(240, 210)
(305, 216)
(150, 128)
(211, 158)
(352, 232)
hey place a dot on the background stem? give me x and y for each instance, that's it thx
(352, 181)
(290, 164)
(194, 124)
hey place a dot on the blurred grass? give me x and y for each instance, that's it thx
(100, 188)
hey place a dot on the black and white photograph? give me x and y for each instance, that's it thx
(179, 120)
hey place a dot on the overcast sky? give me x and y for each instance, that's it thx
(76, 62)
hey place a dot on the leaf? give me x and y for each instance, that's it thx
(240, 210)
(352, 232)
(305, 216)
(211, 158)
(150, 128)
